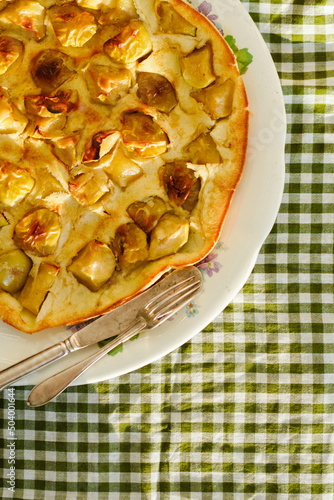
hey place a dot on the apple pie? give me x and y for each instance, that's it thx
(123, 135)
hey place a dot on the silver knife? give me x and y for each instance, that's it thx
(155, 312)
(121, 319)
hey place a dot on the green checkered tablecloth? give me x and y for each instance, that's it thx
(245, 410)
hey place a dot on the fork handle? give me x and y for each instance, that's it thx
(56, 384)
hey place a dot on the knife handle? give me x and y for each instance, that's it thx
(35, 362)
(56, 384)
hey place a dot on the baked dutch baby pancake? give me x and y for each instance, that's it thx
(123, 135)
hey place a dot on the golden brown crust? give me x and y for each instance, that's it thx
(55, 154)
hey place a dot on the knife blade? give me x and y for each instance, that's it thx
(111, 324)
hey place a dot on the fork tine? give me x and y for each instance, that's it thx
(173, 289)
(172, 308)
(171, 302)
(167, 298)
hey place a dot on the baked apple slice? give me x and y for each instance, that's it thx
(203, 150)
(64, 148)
(132, 43)
(10, 50)
(107, 84)
(122, 170)
(62, 102)
(36, 288)
(100, 145)
(130, 245)
(168, 236)
(143, 136)
(217, 99)
(94, 265)
(15, 266)
(26, 14)
(155, 90)
(15, 184)
(11, 119)
(72, 26)
(197, 67)
(91, 4)
(182, 185)
(50, 69)
(3, 221)
(171, 21)
(146, 213)
(86, 188)
(38, 232)
(46, 128)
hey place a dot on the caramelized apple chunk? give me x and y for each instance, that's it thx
(130, 245)
(155, 90)
(122, 170)
(90, 4)
(217, 99)
(132, 43)
(203, 150)
(36, 288)
(168, 236)
(94, 265)
(142, 136)
(38, 232)
(122, 12)
(3, 221)
(47, 128)
(64, 148)
(147, 213)
(15, 184)
(72, 26)
(171, 21)
(197, 67)
(50, 69)
(101, 144)
(182, 185)
(106, 84)
(86, 188)
(10, 50)
(62, 102)
(27, 14)
(14, 269)
(11, 119)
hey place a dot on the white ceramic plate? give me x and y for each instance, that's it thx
(249, 220)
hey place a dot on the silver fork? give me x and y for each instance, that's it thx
(156, 311)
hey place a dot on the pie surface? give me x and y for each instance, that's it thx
(123, 135)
